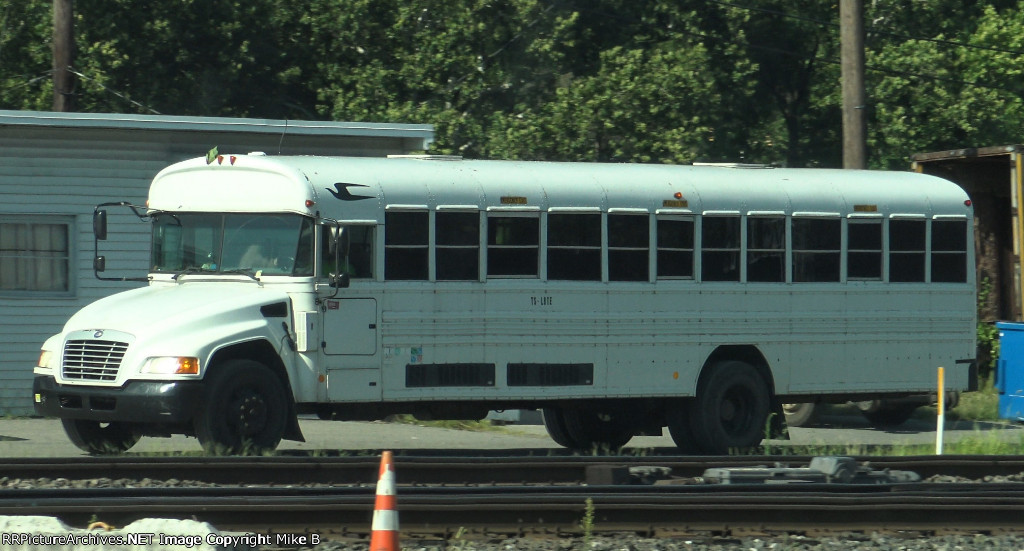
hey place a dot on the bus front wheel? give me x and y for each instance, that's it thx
(731, 408)
(245, 411)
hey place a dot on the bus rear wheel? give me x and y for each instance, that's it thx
(245, 411)
(882, 414)
(98, 438)
(731, 408)
(584, 429)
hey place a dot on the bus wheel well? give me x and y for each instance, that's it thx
(749, 354)
(746, 353)
(263, 352)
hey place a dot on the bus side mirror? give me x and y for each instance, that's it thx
(99, 264)
(340, 281)
(99, 225)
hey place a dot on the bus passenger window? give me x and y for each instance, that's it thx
(513, 245)
(356, 255)
(675, 248)
(405, 245)
(720, 248)
(949, 251)
(816, 249)
(766, 248)
(629, 238)
(574, 247)
(906, 250)
(457, 242)
(864, 250)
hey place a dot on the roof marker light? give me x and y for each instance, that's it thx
(310, 203)
(220, 159)
(968, 203)
(678, 195)
(233, 159)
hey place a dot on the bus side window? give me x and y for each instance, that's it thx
(513, 246)
(816, 249)
(457, 246)
(629, 244)
(675, 248)
(574, 247)
(406, 237)
(906, 250)
(356, 254)
(949, 251)
(766, 248)
(864, 250)
(720, 248)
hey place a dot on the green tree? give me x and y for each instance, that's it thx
(26, 29)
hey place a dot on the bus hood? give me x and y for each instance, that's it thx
(188, 319)
(155, 309)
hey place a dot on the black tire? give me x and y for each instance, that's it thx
(883, 415)
(731, 408)
(554, 423)
(245, 410)
(100, 438)
(592, 430)
(678, 421)
(802, 414)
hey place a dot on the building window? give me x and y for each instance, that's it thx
(574, 246)
(513, 245)
(949, 251)
(675, 248)
(720, 248)
(864, 250)
(35, 255)
(766, 248)
(906, 250)
(629, 247)
(457, 242)
(816, 249)
(406, 235)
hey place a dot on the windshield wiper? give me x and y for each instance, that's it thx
(242, 271)
(190, 270)
(200, 270)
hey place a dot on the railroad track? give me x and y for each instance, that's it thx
(439, 497)
(415, 469)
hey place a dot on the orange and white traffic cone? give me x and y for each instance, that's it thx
(385, 509)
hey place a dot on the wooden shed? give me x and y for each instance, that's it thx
(55, 168)
(992, 177)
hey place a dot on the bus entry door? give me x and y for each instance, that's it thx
(350, 327)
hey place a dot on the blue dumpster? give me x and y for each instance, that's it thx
(1010, 370)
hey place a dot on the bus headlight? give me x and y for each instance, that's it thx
(45, 357)
(172, 365)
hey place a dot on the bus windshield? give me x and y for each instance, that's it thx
(274, 244)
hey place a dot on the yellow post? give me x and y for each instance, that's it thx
(941, 420)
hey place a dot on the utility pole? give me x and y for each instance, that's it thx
(851, 40)
(63, 55)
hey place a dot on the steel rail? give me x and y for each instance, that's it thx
(417, 469)
(533, 509)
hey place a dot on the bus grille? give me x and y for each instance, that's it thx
(90, 360)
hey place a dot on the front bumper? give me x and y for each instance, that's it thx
(159, 402)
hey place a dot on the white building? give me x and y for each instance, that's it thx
(56, 167)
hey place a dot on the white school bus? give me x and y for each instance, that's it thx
(617, 298)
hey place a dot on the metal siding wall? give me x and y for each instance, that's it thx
(50, 172)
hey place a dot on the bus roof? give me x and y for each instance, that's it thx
(360, 188)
